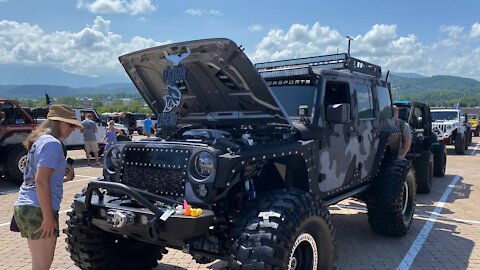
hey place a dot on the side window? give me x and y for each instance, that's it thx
(417, 119)
(384, 103)
(364, 101)
(336, 92)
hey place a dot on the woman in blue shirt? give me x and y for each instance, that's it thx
(38, 203)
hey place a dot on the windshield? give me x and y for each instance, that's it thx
(472, 117)
(292, 97)
(403, 113)
(445, 115)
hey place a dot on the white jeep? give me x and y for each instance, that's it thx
(450, 127)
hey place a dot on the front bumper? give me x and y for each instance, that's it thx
(139, 220)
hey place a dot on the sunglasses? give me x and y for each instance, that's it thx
(71, 125)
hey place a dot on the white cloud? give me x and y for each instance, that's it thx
(453, 31)
(298, 41)
(132, 7)
(255, 28)
(201, 12)
(92, 51)
(475, 31)
(382, 45)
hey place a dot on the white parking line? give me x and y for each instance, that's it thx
(449, 219)
(422, 236)
(474, 150)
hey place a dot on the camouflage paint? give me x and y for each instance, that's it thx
(345, 155)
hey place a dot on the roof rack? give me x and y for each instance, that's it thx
(323, 62)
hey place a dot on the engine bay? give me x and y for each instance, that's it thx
(235, 138)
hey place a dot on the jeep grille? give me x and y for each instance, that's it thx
(441, 127)
(158, 170)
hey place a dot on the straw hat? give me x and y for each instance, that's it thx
(64, 113)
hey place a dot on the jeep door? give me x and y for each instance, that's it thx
(343, 154)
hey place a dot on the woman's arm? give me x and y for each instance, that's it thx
(42, 185)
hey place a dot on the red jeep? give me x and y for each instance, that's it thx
(15, 125)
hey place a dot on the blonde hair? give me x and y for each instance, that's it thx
(51, 127)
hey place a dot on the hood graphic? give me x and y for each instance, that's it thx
(202, 81)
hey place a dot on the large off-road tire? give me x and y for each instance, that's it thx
(16, 163)
(283, 230)
(439, 159)
(391, 202)
(91, 248)
(423, 166)
(459, 144)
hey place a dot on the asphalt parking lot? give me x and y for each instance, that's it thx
(445, 233)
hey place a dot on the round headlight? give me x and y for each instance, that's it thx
(449, 127)
(204, 164)
(114, 159)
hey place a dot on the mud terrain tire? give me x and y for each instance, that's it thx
(391, 202)
(459, 144)
(439, 159)
(91, 248)
(423, 166)
(16, 164)
(283, 230)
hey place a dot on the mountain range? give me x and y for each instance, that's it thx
(33, 82)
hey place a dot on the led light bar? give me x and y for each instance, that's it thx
(284, 72)
(324, 62)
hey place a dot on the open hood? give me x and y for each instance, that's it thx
(203, 80)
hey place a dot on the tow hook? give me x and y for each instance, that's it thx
(120, 218)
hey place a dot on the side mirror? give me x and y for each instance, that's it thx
(338, 113)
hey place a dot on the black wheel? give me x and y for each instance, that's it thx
(91, 248)
(285, 229)
(391, 202)
(459, 144)
(16, 163)
(476, 132)
(423, 166)
(439, 159)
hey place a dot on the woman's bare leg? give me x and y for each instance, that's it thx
(42, 251)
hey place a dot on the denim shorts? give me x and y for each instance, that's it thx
(29, 218)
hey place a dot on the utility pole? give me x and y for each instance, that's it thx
(349, 40)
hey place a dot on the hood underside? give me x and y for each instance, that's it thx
(202, 81)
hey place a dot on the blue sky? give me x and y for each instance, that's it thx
(85, 37)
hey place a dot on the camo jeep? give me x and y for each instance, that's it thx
(428, 156)
(262, 149)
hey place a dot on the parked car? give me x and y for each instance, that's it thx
(256, 156)
(429, 157)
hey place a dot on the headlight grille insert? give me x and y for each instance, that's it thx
(159, 170)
